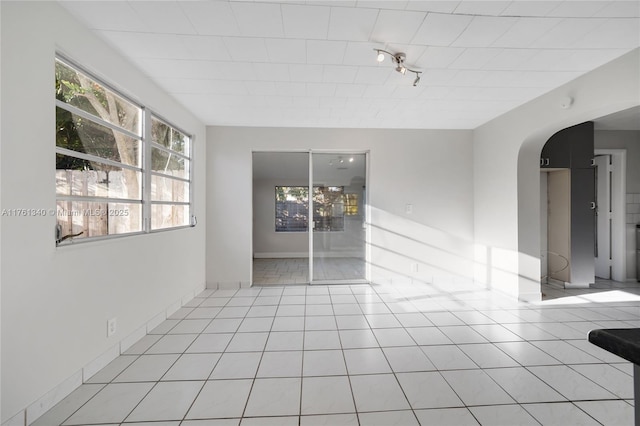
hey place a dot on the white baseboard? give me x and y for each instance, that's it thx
(530, 297)
(133, 338)
(224, 285)
(44, 404)
(570, 286)
(19, 419)
(556, 283)
(71, 383)
(102, 361)
(281, 255)
(228, 285)
(305, 255)
(157, 320)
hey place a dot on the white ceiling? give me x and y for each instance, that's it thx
(312, 64)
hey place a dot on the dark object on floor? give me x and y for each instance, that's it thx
(624, 342)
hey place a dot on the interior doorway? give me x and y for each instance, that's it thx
(603, 216)
(611, 239)
(309, 218)
(609, 226)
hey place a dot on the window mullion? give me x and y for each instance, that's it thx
(192, 211)
(146, 165)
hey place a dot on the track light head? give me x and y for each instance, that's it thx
(417, 80)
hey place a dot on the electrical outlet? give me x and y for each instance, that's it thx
(112, 327)
(408, 209)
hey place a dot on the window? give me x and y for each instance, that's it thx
(112, 176)
(292, 208)
(328, 208)
(170, 165)
(351, 205)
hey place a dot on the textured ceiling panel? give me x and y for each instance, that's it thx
(312, 63)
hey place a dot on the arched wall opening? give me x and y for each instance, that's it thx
(506, 171)
(529, 209)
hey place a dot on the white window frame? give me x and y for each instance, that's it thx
(145, 169)
(147, 176)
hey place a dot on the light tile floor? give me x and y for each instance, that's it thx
(369, 355)
(296, 270)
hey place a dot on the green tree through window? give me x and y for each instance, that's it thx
(292, 208)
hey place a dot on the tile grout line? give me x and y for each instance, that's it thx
(386, 299)
(186, 413)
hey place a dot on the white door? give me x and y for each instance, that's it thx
(603, 217)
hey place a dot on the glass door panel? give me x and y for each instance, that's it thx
(337, 206)
(280, 218)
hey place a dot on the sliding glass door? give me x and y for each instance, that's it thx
(337, 207)
(280, 218)
(295, 192)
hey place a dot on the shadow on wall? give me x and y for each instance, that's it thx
(407, 252)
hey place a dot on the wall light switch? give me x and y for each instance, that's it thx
(408, 208)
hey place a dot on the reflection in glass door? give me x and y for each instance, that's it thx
(280, 218)
(337, 206)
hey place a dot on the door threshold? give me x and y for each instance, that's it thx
(338, 282)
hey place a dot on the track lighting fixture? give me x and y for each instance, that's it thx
(398, 60)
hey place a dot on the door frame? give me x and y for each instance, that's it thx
(366, 208)
(618, 212)
(602, 164)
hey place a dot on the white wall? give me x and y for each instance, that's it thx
(506, 170)
(630, 141)
(430, 169)
(56, 301)
(623, 139)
